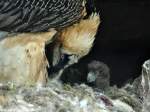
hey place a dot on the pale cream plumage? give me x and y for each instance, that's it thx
(78, 39)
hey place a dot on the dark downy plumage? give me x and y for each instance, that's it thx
(38, 15)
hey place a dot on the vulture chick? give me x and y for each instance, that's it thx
(98, 75)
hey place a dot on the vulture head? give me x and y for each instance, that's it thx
(74, 42)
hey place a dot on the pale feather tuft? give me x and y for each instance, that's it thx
(78, 39)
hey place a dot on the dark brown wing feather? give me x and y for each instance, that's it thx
(38, 15)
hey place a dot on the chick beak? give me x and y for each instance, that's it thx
(91, 77)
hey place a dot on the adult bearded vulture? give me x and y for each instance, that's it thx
(26, 26)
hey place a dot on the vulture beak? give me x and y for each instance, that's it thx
(57, 59)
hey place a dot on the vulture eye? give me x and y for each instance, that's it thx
(64, 58)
